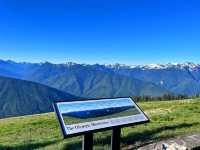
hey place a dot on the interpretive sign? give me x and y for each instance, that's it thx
(83, 116)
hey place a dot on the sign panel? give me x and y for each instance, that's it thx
(79, 117)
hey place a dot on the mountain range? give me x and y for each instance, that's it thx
(19, 97)
(35, 85)
(89, 81)
(96, 80)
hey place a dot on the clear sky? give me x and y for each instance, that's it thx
(100, 31)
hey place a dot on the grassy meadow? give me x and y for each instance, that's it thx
(168, 119)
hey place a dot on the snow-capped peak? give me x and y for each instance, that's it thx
(118, 66)
(171, 65)
(188, 65)
(70, 63)
(154, 66)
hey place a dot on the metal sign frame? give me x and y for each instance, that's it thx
(95, 130)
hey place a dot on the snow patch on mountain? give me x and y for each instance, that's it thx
(188, 65)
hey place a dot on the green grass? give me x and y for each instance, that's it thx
(168, 119)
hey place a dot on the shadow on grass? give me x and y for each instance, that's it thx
(144, 138)
(196, 148)
(73, 146)
(28, 146)
(101, 140)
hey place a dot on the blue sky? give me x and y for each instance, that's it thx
(100, 31)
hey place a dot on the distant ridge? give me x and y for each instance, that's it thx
(19, 97)
(115, 65)
(91, 82)
(110, 80)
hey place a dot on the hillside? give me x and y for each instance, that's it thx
(18, 97)
(85, 80)
(179, 79)
(176, 78)
(168, 119)
(15, 70)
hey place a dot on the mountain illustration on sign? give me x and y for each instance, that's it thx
(84, 114)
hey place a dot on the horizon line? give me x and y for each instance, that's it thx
(106, 64)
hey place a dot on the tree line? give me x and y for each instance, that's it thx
(165, 97)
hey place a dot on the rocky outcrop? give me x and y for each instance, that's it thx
(190, 142)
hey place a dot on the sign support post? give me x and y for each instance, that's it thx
(115, 140)
(87, 143)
